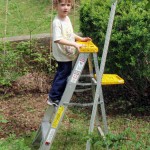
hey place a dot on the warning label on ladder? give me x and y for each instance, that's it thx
(75, 76)
(80, 66)
(50, 136)
(58, 116)
(77, 71)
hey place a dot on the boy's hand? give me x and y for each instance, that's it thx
(85, 39)
(78, 46)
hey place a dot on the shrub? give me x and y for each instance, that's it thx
(129, 49)
(8, 64)
(16, 59)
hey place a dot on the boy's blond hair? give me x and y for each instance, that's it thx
(55, 2)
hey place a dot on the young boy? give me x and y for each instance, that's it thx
(64, 47)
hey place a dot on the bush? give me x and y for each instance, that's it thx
(129, 49)
(17, 59)
(8, 64)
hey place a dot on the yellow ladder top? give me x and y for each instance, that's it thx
(88, 47)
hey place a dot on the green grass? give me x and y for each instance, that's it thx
(126, 132)
(27, 17)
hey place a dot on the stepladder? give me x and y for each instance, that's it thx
(54, 115)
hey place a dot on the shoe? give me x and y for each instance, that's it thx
(50, 102)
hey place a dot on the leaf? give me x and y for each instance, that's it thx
(2, 119)
(148, 5)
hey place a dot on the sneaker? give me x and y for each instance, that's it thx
(50, 102)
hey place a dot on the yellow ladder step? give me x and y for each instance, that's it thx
(110, 79)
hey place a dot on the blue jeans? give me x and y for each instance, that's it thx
(60, 80)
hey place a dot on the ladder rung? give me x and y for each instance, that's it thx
(101, 131)
(84, 84)
(80, 104)
(94, 81)
(86, 75)
(82, 90)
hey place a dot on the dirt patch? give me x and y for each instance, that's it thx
(36, 82)
(22, 110)
(23, 114)
(22, 105)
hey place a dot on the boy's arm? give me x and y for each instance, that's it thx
(75, 44)
(69, 43)
(82, 39)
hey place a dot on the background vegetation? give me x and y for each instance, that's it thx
(27, 17)
(129, 50)
(129, 56)
(124, 134)
(23, 17)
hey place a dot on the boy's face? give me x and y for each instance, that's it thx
(63, 8)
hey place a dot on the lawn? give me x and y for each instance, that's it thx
(18, 126)
(26, 17)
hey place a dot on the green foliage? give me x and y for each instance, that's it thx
(8, 64)
(125, 132)
(35, 55)
(124, 140)
(129, 49)
(12, 143)
(2, 119)
(19, 58)
(24, 17)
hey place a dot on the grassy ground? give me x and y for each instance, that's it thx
(26, 17)
(126, 133)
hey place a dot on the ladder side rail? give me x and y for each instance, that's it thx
(104, 56)
(90, 64)
(48, 114)
(38, 138)
(107, 38)
(99, 75)
(91, 70)
(40, 132)
(97, 112)
(70, 87)
(100, 97)
(96, 71)
(94, 110)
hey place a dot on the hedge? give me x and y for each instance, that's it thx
(129, 49)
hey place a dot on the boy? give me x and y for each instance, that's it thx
(64, 47)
